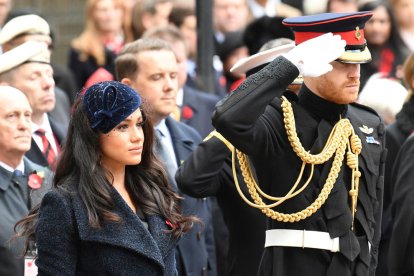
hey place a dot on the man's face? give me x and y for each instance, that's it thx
(230, 15)
(15, 124)
(35, 80)
(341, 85)
(157, 81)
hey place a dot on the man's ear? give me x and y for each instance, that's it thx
(126, 81)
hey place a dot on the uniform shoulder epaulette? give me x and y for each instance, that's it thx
(366, 108)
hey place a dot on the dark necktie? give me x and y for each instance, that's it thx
(168, 160)
(48, 151)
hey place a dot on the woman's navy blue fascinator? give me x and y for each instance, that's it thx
(108, 103)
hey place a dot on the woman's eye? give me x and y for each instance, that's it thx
(122, 127)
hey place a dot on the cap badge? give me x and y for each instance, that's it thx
(366, 130)
(357, 33)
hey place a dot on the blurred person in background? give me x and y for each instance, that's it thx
(384, 42)
(264, 29)
(92, 54)
(339, 6)
(259, 8)
(404, 14)
(148, 14)
(231, 50)
(128, 8)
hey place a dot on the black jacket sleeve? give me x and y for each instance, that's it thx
(201, 174)
(238, 117)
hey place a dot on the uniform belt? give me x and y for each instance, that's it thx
(301, 238)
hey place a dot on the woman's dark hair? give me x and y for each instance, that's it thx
(79, 171)
(395, 41)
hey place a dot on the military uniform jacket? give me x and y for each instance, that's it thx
(252, 120)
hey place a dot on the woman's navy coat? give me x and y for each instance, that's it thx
(67, 245)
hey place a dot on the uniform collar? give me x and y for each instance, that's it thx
(320, 107)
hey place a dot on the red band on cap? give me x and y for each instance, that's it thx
(354, 37)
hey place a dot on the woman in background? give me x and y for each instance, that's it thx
(384, 42)
(92, 54)
(112, 211)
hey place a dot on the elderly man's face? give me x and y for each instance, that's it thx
(35, 80)
(15, 124)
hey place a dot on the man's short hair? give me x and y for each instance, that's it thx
(126, 63)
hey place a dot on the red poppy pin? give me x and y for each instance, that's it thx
(36, 180)
(187, 112)
(170, 224)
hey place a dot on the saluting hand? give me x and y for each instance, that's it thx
(313, 57)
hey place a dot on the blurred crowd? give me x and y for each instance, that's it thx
(241, 28)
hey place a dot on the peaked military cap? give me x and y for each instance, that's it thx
(350, 26)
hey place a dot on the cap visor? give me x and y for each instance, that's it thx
(356, 56)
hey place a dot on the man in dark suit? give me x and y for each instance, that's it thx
(22, 183)
(149, 66)
(27, 68)
(324, 217)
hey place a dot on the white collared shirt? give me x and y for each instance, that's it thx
(20, 167)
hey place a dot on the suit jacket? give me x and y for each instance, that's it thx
(252, 120)
(202, 106)
(68, 245)
(15, 204)
(35, 154)
(208, 172)
(195, 251)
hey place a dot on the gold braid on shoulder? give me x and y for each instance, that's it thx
(341, 138)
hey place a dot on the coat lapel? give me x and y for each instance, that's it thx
(130, 234)
(37, 194)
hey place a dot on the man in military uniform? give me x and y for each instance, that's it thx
(318, 156)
